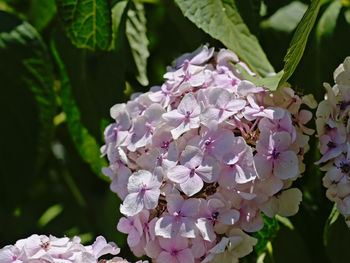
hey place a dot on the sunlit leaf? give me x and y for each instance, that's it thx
(332, 218)
(285, 221)
(286, 18)
(221, 20)
(138, 41)
(328, 20)
(266, 235)
(347, 15)
(84, 142)
(298, 44)
(87, 22)
(50, 214)
(117, 14)
(41, 12)
(270, 82)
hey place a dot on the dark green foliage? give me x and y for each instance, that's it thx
(55, 102)
(88, 23)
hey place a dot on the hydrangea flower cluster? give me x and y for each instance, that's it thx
(199, 158)
(49, 249)
(333, 128)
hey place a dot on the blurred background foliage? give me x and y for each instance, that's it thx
(62, 70)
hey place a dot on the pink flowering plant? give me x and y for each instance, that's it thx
(50, 249)
(198, 159)
(333, 131)
(208, 165)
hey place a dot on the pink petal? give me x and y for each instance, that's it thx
(173, 117)
(209, 170)
(185, 256)
(166, 257)
(151, 198)
(235, 105)
(190, 207)
(174, 203)
(192, 185)
(206, 229)
(167, 227)
(178, 174)
(137, 180)
(132, 205)
(180, 129)
(191, 157)
(263, 165)
(230, 217)
(124, 225)
(188, 104)
(281, 140)
(286, 166)
(154, 112)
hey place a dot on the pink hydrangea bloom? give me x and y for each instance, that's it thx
(50, 249)
(333, 129)
(198, 159)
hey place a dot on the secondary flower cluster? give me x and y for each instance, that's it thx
(333, 128)
(59, 250)
(197, 159)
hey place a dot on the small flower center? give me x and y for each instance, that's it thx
(187, 115)
(45, 245)
(160, 160)
(192, 172)
(345, 167)
(331, 145)
(208, 142)
(143, 189)
(275, 154)
(173, 252)
(165, 145)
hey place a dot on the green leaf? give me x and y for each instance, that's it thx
(50, 214)
(87, 22)
(118, 11)
(270, 82)
(285, 221)
(347, 15)
(328, 21)
(138, 41)
(332, 218)
(41, 12)
(286, 18)
(298, 44)
(27, 99)
(84, 142)
(266, 235)
(221, 20)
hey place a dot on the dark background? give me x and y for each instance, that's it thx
(47, 185)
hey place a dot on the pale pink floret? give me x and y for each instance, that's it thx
(175, 250)
(216, 141)
(185, 117)
(133, 227)
(332, 144)
(56, 250)
(180, 218)
(144, 127)
(255, 111)
(238, 166)
(143, 188)
(214, 212)
(221, 106)
(274, 157)
(194, 169)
